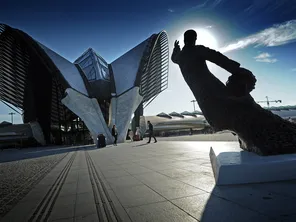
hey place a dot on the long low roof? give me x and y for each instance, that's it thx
(279, 108)
(181, 115)
(276, 110)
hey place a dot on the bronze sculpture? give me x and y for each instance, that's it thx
(230, 106)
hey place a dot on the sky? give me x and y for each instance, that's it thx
(261, 35)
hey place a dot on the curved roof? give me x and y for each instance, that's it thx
(196, 112)
(164, 115)
(176, 114)
(180, 115)
(186, 113)
(67, 69)
(126, 67)
(145, 66)
(22, 59)
(152, 76)
(18, 52)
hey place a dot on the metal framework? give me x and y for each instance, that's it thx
(30, 81)
(14, 62)
(154, 68)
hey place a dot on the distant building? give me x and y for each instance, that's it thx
(188, 121)
(60, 96)
(4, 124)
(286, 112)
(174, 122)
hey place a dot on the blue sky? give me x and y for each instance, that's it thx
(258, 34)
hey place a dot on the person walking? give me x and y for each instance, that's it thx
(151, 133)
(114, 134)
(131, 135)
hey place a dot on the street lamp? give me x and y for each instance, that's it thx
(193, 101)
(11, 116)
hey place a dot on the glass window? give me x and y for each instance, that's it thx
(83, 57)
(91, 75)
(86, 62)
(103, 67)
(105, 73)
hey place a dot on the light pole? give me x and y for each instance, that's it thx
(11, 117)
(193, 101)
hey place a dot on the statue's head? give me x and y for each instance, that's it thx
(190, 37)
(241, 83)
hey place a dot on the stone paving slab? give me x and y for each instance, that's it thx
(25, 208)
(227, 211)
(166, 181)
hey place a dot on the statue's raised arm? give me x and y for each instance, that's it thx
(218, 58)
(176, 52)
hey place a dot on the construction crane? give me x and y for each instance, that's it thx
(267, 101)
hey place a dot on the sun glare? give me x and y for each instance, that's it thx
(204, 37)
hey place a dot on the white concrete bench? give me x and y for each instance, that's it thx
(232, 165)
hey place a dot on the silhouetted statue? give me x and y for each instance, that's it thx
(230, 106)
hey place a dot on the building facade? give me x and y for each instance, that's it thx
(52, 92)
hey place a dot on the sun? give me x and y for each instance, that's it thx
(204, 37)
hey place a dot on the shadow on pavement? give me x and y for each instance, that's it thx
(30, 153)
(241, 203)
(254, 201)
(143, 144)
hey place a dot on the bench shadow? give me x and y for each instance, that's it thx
(242, 203)
(254, 201)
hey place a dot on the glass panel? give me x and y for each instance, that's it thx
(83, 57)
(91, 75)
(103, 67)
(105, 73)
(86, 62)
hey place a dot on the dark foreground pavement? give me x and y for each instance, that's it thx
(166, 181)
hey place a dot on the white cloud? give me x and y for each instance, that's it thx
(171, 10)
(215, 3)
(209, 3)
(265, 57)
(293, 70)
(267, 60)
(209, 27)
(276, 35)
(199, 6)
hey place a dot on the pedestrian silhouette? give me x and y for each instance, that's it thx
(151, 132)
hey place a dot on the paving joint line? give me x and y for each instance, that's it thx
(28, 184)
(231, 201)
(44, 209)
(105, 208)
(166, 199)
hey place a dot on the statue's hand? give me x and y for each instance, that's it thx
(177, 44)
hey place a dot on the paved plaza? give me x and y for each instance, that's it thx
(166, 181)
